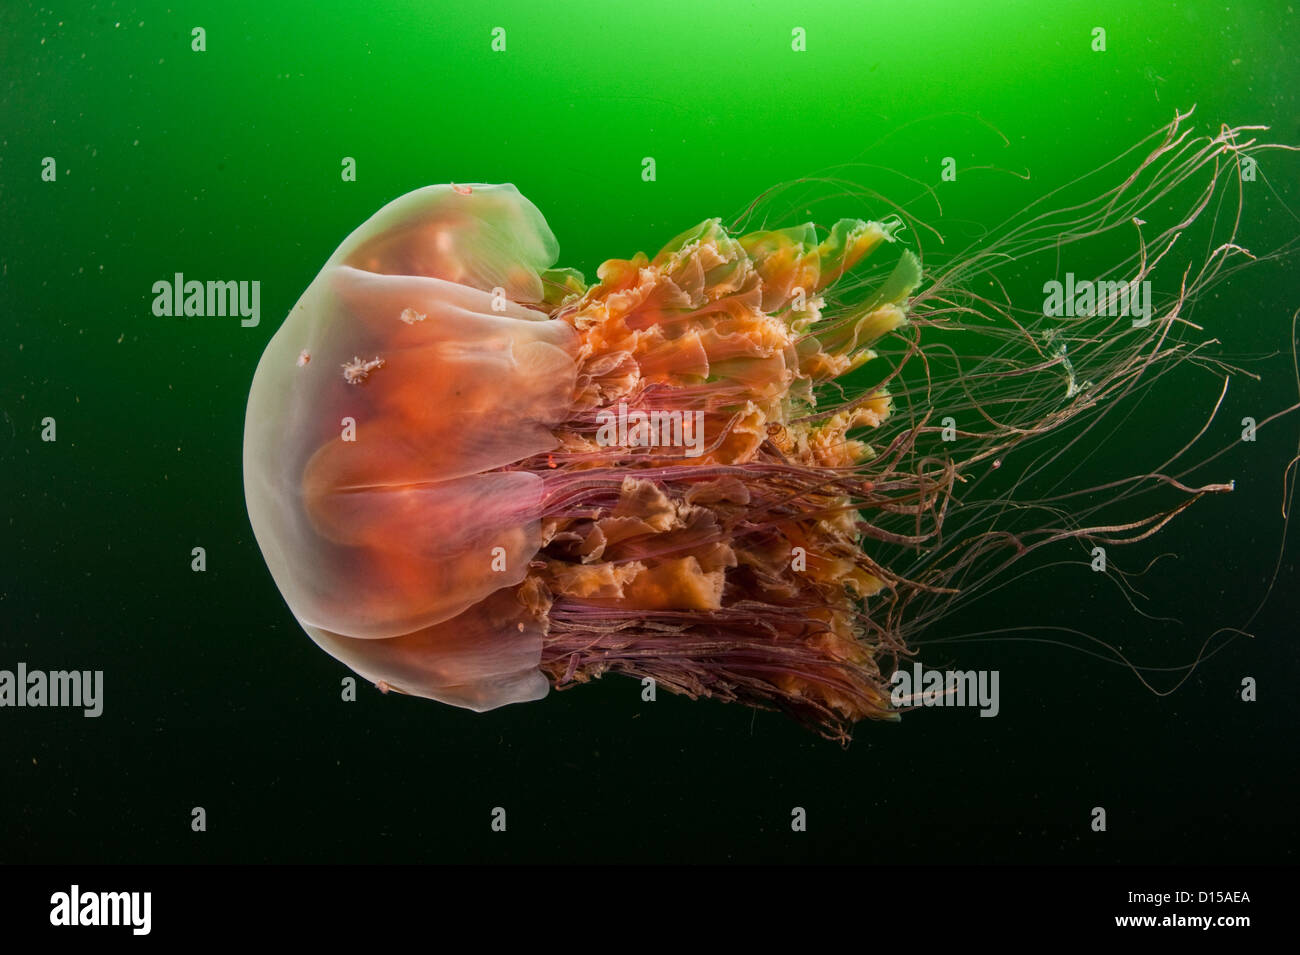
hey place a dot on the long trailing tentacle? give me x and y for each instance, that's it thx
(833, 508)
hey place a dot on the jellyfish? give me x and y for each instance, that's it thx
(748, 468)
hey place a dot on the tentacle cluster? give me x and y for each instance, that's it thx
(737, 571)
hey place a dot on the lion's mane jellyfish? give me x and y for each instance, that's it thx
(473, 476)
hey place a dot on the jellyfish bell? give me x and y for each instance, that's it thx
(378, 487)
(715, 467)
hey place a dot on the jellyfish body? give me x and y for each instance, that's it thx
(474, 477)
(434, 499)
(374, 473)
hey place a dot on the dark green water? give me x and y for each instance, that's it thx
(225, 164)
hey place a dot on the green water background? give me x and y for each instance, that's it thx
(225, 165)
